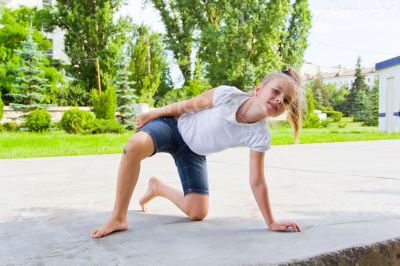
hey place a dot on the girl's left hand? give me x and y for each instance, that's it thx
(284, 226)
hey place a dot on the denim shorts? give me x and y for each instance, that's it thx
(192, 167)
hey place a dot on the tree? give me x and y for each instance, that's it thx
(243, 47)
(165, 86)
(91, 33)
(354, 102)
(373, 116)
(125, 96)
(238, 42)
(147, 64)
(30, 87)
(294, 41)
(310, 100)
(338, 98)
(179, 18)
(15, 26)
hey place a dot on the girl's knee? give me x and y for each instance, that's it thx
(197, 206)
(197, 215)
(140, 145)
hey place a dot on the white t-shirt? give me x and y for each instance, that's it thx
(215, 129)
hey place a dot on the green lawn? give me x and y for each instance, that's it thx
(59, 143)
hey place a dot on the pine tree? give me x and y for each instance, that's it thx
(30, 87)
(125, 96)
(355, 103)
(373, 116)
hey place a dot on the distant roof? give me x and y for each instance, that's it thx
(388, 63)
(340, 73)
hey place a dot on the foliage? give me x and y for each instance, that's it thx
(1, 108)
(354, 101)
(238, 42)
(335, 115)
(294, 41)
(73, 95)
(338, 97)
(101, 126)
(324, 123)
(30, 86)
(180, 20)
(147, 64)
(373, 117)
(91, 32)
(10, 126)
(342, 124)
(165, 86)
(312, 121)
(15, 28)
(74, 120)
(38, 121)
(190, 90)
(310, 100)
(125, 97)
(104, 105)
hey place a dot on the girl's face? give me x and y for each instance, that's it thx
(276, 96)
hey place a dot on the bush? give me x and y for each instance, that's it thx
(2, 128)
(38, 121)
(100, 126)
(104, 105)
(336, 116)
(73, 95)
(10, 126)
(1, 108)
(342, 124)
(74, 120)
(324, 123)
(312, 121)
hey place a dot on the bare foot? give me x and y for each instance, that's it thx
(110, 226)
(152, 191)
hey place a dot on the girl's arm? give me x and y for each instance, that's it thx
(260, 192)
(200, 102)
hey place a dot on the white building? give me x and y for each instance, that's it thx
(389, 94)
(337, 76)
(56, 37)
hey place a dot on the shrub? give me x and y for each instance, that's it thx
(104, 105)
(324, 123)
(1, 108)
(74, 120)
(2, 128)
(312, 121)
(100, 126)
(38, 121)
(336, 116)
(342, 124)
(73, 95)
(10, 126)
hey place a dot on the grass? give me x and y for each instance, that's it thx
(59, 143)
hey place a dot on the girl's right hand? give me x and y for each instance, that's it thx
(284, 226)
(144, 118)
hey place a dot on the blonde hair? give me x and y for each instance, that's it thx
(296, 107)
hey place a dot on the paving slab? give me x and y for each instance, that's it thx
(345, 196)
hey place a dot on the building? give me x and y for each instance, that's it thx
(56, 37)
(389, 94)
(337, 76)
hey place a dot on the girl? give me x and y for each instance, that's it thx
(189, 130)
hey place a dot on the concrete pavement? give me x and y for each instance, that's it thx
(345, 196)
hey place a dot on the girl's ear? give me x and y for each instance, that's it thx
(257, 90)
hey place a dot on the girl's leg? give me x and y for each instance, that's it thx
(139, 147)
(195, 206)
